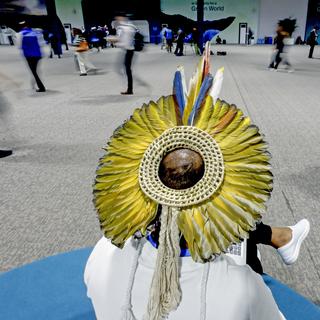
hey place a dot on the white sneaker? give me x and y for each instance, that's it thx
(290, 252)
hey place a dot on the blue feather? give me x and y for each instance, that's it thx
(205, 87)
(178, 91)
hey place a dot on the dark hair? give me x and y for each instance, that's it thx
(181, 169)
(288, 25)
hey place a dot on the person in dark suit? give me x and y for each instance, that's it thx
(312, 41)
(180, 43)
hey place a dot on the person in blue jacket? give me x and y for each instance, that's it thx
(30, 47)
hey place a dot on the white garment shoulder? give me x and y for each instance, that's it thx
(233, 292)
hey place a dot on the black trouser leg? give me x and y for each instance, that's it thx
(311, 51)
(127, 63)
(277, 59)
(180, 53)
(176, 49)
(262, 235)
(33, 64)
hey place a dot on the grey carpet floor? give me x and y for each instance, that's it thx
(57, 137)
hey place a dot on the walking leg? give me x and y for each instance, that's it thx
(311, 51)
(127, 63)
(33, 64)
(263, 235)
(81, 63)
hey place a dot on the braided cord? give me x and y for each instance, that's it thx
(127, 307)
(165, 294)
(203, 296)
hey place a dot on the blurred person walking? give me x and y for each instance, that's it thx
(4, 111)
(163, 37)
(180, 43)
(125, 40)
(312, 40)
(30, 45)
(55, 44)
(280, 54)
(3, 115)
(83, 64)
(169, 39)
(57, 35)
(196, 41)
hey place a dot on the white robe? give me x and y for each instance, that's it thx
(233, 292)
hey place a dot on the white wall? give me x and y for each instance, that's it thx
(273, 10)
(260, 15)
(70, 11)
(244, 11)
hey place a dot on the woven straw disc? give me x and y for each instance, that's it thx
(188, 137)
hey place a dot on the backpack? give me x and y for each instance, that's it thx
(138, 41)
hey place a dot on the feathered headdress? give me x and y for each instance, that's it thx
(220, 209)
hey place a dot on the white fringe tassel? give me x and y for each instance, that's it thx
(127, 307)
(204, 282)
(165, 293)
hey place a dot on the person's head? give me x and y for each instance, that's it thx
(121, 17)
(181, 169)
(316, 27)
(279, 28)
(23, 24)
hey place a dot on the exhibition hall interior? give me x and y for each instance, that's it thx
(159, 159)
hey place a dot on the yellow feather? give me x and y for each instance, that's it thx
(193, 92)
(219, 110)
(226, 228)
(230, 219)
(225, 120)
(156, 119)
(231, 126)
(151, 124)
(209, 234)
(239, 136)
(167, 111)
(203, 118)
(247, 210)
(239, 166)
(245, 151)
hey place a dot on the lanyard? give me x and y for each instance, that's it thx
(183, 252)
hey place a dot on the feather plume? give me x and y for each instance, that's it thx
(227, 216)
(205, 87)
(194, 89)
(180, 91)
(217, 84)
(206, 57)
(199, 86)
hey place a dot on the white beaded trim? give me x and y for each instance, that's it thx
(175, 138)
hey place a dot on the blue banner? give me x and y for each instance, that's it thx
(313, 16)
